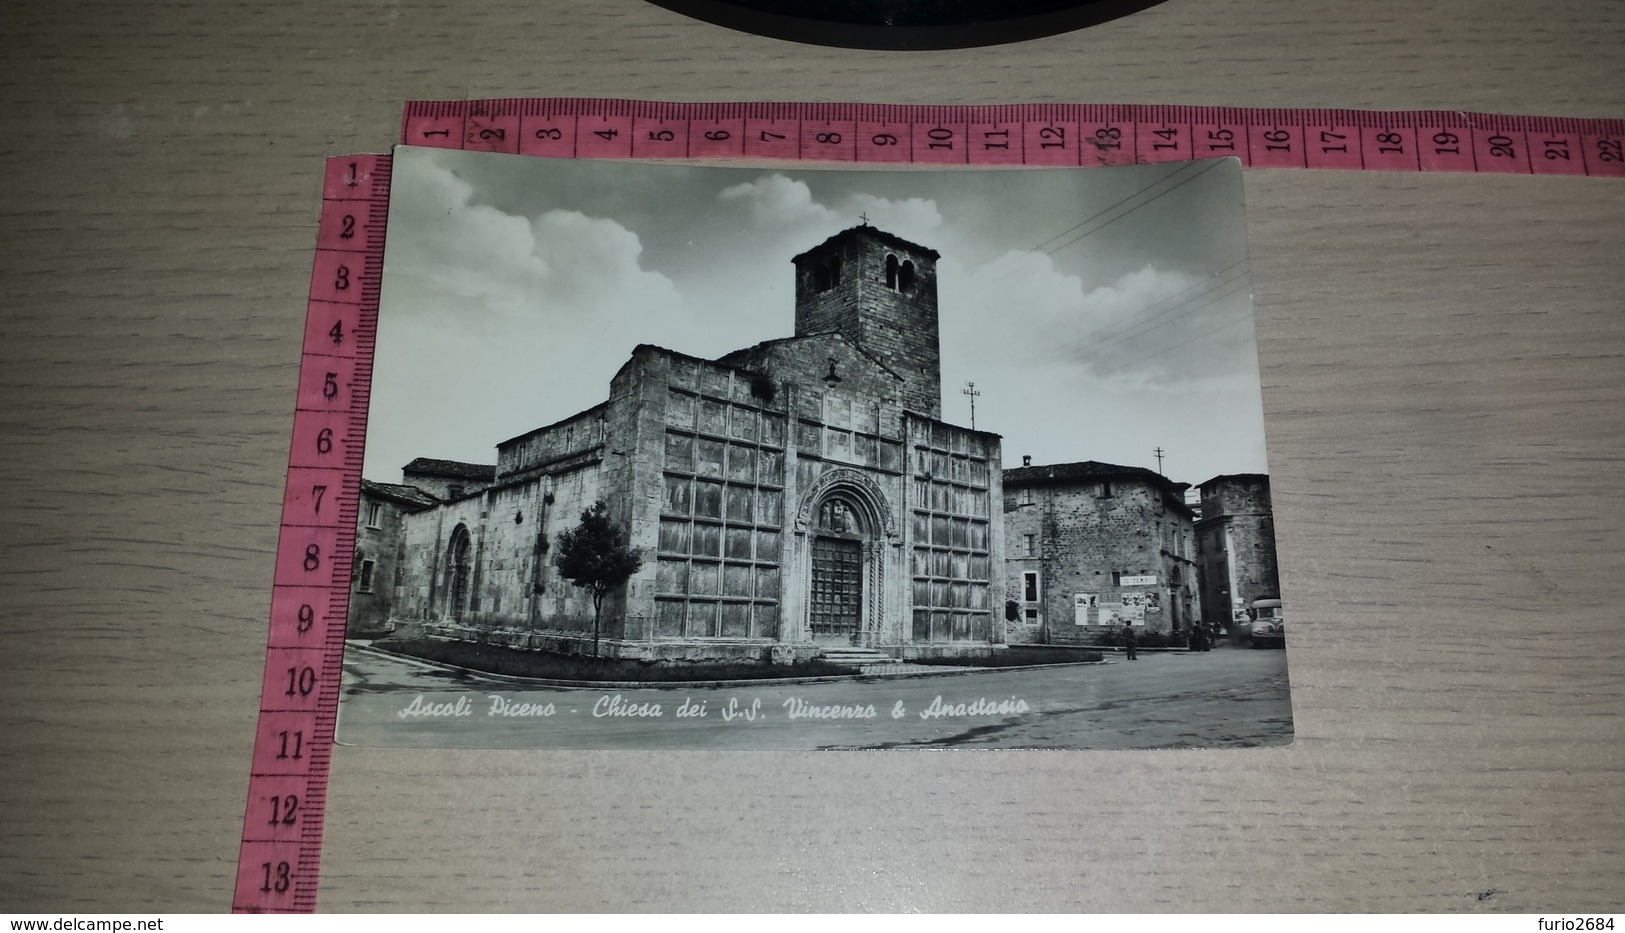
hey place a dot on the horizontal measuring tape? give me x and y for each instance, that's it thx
(1024, 134)
(282, 825)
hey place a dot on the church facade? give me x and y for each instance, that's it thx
(792, 496)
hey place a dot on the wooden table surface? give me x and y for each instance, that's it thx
(1445, 395)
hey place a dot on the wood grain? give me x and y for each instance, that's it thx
(1444, 383)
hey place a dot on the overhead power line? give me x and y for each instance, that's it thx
(1159, 195)
(1185, 304)
(1214, 292)
(1162, 306)
(1240, 319)
(1102, 219)
(1102, 212)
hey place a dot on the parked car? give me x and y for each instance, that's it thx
(1266, 626)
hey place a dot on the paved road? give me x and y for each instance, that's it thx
(1228, 697)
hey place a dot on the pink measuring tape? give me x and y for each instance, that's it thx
(1024, 134)
(299, 698)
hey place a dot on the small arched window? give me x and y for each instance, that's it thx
(891, 272)
(905, 277)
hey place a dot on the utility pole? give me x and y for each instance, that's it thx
(970, 390)
(1158, 452)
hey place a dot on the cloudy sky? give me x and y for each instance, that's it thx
(1102, 313)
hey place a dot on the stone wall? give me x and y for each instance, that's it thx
(512, 528)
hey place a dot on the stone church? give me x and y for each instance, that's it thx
(787, 498)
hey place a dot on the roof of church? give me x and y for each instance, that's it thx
(1086, 469)
(456, 468)
(729, 359)
(551, 425)
(406, 495)
(890, 239)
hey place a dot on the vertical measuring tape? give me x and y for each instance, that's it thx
(282, 826)
(299, 699)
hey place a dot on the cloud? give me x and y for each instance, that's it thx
(1147, 323)
(777, 201)
(911, 218)
(1073, 372)
(477, 260)
(473, 257)
(597, 283)
(534, 315)
(785, 208)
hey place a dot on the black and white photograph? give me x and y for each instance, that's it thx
(670, 456)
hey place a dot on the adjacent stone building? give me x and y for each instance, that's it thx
(1235, 546)
(1091, 546)
(379, 547)
(796, 494)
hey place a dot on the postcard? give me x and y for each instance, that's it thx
(670, 456)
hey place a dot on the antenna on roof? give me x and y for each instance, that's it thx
(1158, 452)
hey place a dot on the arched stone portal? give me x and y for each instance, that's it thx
(835, 600)
(846, 542)
(459, 562)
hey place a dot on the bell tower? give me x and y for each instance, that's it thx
(879, 291)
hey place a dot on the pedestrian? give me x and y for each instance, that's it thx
(1130, 643)
(1195, 642)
